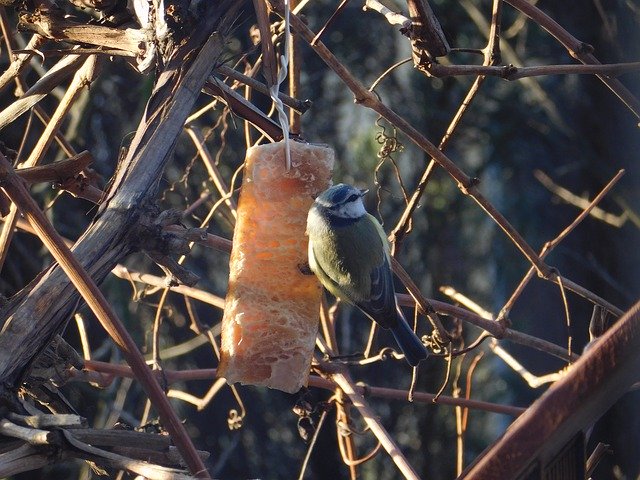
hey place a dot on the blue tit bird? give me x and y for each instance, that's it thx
(349, 253)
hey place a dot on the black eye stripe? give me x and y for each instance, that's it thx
(353, 198)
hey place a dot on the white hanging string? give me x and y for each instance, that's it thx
(283, 119)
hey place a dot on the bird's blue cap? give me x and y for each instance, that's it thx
(338, 194)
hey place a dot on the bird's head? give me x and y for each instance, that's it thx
(342, 201)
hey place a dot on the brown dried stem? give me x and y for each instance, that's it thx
(346, 443)
(291, 101)
(427, 38)
(244, 109)
(54, 76)
(295, 68)
(57, 172)
(51, 24)
(173, 376)
(511, 72)
(492, 326)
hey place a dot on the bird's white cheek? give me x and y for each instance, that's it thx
(354, 210)
(312, 259)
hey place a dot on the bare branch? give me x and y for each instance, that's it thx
(577, 49)
(511, 72)
(392, 17)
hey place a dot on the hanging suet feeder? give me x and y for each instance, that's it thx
(271, 314)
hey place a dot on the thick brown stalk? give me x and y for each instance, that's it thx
(56, 172)
(427, 38)
(300, 106)
(295, 67)
(53, 25)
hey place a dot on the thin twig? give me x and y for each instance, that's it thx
(511, 72)
(491, 55)
(174, 376)
(312, 444)
(581, 202)
(336, 13)
(344, 437)
(346, 384)
(492, 326)
(300, 106)
(567, 317)
(84, 338)
(214, 174)
(392, 17)
(549, 246)
(421, 301)
(533, 380)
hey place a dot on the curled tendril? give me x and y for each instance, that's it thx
(389, 144)
(435, 345)
(234, 420)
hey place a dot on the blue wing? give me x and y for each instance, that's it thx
(381, 304)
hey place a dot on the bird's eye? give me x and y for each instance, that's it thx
(353, 198)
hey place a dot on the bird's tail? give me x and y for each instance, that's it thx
(409, 343)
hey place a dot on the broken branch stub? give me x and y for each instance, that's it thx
(427, 38)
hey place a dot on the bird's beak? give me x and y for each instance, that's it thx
(363, 191)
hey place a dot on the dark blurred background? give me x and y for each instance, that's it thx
(570, 127)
